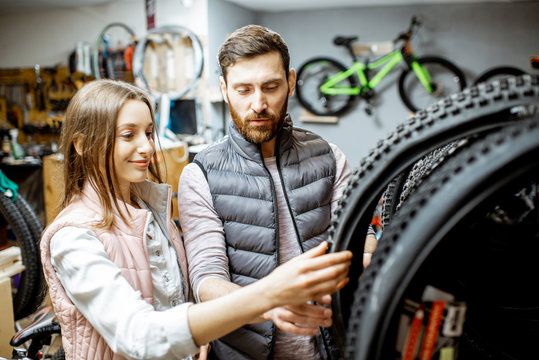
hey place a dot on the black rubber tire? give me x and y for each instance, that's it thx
(452, 194)
(311, 76)
(480, 109)
(24, 294)
(498, 71)
(400, 188)
(36, 228)
(440, 70)
(59, 354)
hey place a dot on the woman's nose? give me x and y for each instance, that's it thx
(145, 145)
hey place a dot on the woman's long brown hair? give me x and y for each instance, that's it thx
(91, 118)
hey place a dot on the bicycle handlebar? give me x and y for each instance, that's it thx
(415, 23)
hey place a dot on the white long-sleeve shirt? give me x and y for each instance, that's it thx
(130, 326)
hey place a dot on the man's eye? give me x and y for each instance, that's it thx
(242, 91)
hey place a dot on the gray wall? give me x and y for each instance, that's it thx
(474, 36)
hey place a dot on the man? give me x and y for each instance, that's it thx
(259, 197)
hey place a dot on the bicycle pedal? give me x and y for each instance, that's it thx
(369, 109)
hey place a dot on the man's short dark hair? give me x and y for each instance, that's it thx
(250, 41)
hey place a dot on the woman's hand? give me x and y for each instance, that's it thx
(308, 277)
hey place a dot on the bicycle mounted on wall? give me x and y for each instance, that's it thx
(325, 87)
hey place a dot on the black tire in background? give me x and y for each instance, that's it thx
(480, 109)
(446, 77)
(311, 76)
(499, 71)
(24, 295)
(34, 225)
(427, 238)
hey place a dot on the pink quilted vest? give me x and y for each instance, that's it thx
(126, 248)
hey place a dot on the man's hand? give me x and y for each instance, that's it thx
(301, 319)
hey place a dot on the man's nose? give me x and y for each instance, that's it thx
(259, 102)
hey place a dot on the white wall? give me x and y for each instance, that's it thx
(47, 38)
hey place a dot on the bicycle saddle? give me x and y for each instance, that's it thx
(43, 325)
(344, 40)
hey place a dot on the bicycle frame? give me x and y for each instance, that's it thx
(387, 62)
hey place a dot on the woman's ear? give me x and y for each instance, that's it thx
(77, 143)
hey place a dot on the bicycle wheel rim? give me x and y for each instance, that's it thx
(110, 45)
(314, 74)
(446, 79)
(462, 185)
(197, 65)
(475, 110)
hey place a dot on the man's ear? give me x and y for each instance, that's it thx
(77, 143)
(291, 82)
(223, 88)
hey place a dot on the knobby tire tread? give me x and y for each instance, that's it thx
(461, 184)
(484, 108)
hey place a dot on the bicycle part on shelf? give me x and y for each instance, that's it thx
(168, 60)
(111, 52)
(498, 72)
(480, 109)
(313, 74)
(425, 237)
(445, 79)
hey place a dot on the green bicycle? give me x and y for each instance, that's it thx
(325, 87)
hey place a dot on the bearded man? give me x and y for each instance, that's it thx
(259, 197)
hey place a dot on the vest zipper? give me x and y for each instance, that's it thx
(285, 192)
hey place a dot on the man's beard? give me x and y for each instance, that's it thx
(259, 134)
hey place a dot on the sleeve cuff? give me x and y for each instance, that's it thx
(175, 322)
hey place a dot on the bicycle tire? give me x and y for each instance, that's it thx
(198, 59)
(475, 110)
(462, 185)
(311, 76)
(59, 354)
(443, 74)
(25, 292)
(492, 73)
(34, 225)
(400, 188)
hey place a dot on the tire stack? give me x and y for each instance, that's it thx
(461, 183)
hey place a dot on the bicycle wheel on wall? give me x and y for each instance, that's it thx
(113, 52)
(446, 79)
(313, 74)
(424, 246)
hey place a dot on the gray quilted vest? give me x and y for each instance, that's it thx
(244, 197)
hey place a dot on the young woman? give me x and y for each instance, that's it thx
(113, 258)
